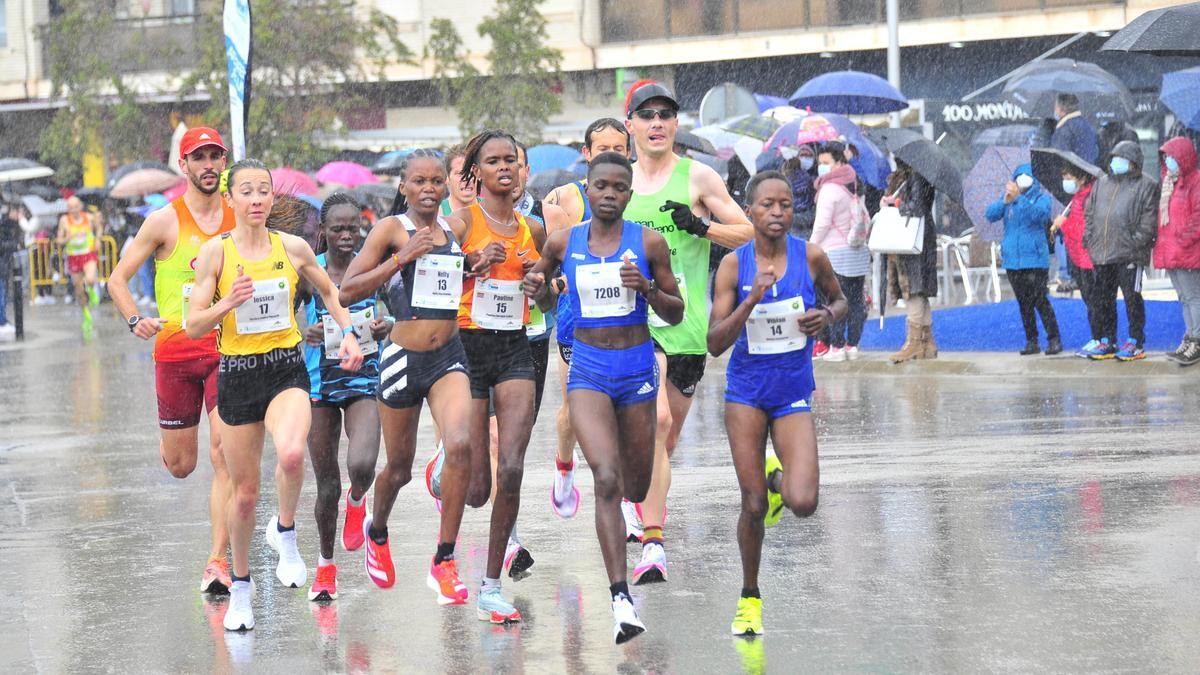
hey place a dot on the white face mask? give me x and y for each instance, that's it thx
(824, 169)
(1024, 181)
(789, 153)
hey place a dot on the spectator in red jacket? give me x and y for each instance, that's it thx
(1177, 249)
(1078, 183)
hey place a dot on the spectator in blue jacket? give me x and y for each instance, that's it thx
(1025, 209)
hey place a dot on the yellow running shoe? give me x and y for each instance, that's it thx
(93, 296)
(774, 499)
(748, 620)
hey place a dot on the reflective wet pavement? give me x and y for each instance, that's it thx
(1019, 517)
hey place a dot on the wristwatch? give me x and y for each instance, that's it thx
(350, 329)
(650, 291)
(133, 322)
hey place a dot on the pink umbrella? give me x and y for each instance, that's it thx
(177, 191)
(291, 181)
(349, 174)
(144, 182)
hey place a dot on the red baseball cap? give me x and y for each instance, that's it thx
(198, 137)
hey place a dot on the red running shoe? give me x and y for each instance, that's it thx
(819, 349)
(443, 579)
(352, 530)
(378, 561)
(325, 584)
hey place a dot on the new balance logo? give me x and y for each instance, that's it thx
(646, 388)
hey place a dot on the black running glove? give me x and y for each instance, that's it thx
(684, 219)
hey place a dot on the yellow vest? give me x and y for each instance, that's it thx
(267, 320)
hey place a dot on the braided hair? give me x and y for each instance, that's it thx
(474, 147)
(336, 199)
(400, 204)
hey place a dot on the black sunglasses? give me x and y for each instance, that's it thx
(650, 113)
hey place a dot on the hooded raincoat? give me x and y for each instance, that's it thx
(1121, 215)
(1178, 243)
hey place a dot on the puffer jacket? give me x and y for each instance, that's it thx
(1072, 228)
(1025, 245)
(1121, 215)
(1178, 245)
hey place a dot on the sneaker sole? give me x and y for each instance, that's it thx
(651, 575)
(628, 632)
(274, 543)
(518, 569)
(322, 596)
(497, 618)
(1126, 359)
(554, 505)
(441, 599)
(1103, 357)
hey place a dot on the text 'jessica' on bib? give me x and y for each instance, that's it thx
(437, 281)
(268, 310)
(600, 291)
(498, 304)
(774, 327)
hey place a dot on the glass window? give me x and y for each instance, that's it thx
(701, 17)
(183, 7)
(3, 24)
(756, 15)
(633, 20)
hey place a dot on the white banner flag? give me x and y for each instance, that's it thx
(237, 56)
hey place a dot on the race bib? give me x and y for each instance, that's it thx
(268, 310)
(437, 282)
(656, 322)
(498, 305)
(600, 291)
(772, 327)
(361, 321)
(537, 322)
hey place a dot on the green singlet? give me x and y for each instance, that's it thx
(689, 262)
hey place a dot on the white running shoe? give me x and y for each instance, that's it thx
(517, 560)
(291, 570)
(852, 353)
(653, 566)
(564, 497)
(633, 524)
(835, 354)
(240, 613)
(626, 624)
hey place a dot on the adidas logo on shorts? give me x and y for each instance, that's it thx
(800, 404)
(646, 388)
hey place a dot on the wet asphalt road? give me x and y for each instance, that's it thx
(1012, 521)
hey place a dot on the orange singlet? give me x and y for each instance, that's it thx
(502, 304)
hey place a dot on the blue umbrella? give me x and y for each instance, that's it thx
(1181, 93)
(766, 101)
(849, 92)
(549, 157)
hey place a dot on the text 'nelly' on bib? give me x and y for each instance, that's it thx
(438, 281)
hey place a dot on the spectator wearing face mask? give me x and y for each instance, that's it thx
(1177, 249)
(1120, 223)
(1079, 183)
(1025, 209)
(800, 172)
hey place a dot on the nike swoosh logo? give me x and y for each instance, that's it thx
(522, 253)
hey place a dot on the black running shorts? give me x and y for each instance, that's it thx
(496, 356)
(247, 384)
(405, 377)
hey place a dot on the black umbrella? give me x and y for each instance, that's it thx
(693, 142)
(925, 157)
(122, 171)
(1102, 96)
(1171, 31)
(1048, 165)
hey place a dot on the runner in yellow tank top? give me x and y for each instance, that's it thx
(246, 282)
(78, 232)
(185, 370)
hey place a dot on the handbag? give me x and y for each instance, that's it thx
(892, 232)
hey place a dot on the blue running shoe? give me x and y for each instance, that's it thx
(1085, 350)
(493, 608)
(1102, 351)
(1131, 351)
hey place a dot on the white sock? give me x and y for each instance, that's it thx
(513, 538)
(490, 583)
(356, 503)
(322, 561)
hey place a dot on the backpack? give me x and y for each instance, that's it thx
(860, 223)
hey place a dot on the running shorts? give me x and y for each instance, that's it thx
(776, 393)
(496, 356)
(627, 376)
(539, 351)
(247, 384)
(684, 370)
(405, 377)
(76, 263)
(184, 388)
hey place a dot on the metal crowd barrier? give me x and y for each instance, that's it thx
(48, 265)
